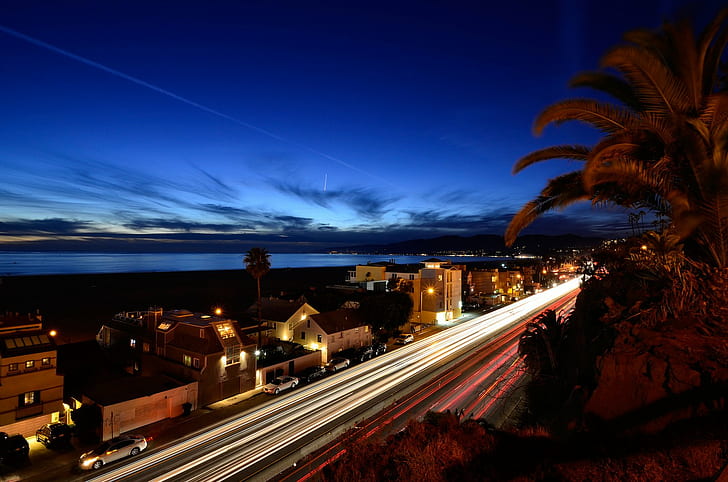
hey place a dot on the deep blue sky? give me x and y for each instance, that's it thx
(321, 124)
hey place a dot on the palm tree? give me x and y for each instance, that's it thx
(665, 144)
(257, 263)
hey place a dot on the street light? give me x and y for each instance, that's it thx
(430, 290)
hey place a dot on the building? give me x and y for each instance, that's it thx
(493, 286)
(439, 292)
(282, 317)
(333, 331)
(187, 346)
(131, 402)
(435, 289)
(31, 390)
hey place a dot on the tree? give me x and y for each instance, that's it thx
(257, 263)
(386, 311)
(665, 143)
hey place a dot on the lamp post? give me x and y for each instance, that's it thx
(429, 291)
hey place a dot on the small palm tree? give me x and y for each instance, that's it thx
(257, 263)
(665, 144)
(540, 343)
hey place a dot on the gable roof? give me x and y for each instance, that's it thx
(339, 320)
(275, 309)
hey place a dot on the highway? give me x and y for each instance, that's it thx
(481, 385)
(258, 443)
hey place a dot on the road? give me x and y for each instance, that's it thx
(483, 385)
(260, 442)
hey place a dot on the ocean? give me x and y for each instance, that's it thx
(13, 263)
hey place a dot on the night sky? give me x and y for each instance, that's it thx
(292, 125)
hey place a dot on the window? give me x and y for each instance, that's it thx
(187, 360)
(225, 330)
(29, 364)
(308, 324)
(146, 347)
(13, 367)
(202, 333)
(46, 362)
(232, 355)
(303, 335)
(196, 362)
(29, 398)
(132, 342)
(320, 338)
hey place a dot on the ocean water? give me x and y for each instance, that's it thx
(40, 263)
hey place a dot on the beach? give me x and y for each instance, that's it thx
(76, 305)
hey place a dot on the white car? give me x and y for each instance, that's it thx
(280, 383)
(114, 449)
(404, 339)
(337, 364)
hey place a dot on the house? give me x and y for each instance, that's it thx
(190, 347)
(31, 390)
(281, 316)
(333, 331)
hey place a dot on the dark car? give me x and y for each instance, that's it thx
(379, 348)
(54, 434)
(13, 447)
(364, 353)
(312, 373)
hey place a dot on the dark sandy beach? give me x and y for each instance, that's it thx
(75, 305)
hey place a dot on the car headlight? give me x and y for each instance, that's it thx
(90, 461)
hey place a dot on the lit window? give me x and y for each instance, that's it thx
(132, 342)
(187, 360)
(202, 333)
(225, 330)
(45, 362)
(232, 355)
(29, 364)
(13, 367)
(146, 347)
(164, 326)
(29, 398)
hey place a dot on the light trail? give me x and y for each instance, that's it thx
(240, 444)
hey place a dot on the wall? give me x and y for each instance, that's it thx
(131, 414)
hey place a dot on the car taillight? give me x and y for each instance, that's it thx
(148, 439)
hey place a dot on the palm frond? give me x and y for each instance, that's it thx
(576, 152)
(559, 192)
(609, 84)
(605, 117)
(657, 88)
(711, 45)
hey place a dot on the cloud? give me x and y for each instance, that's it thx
(367, 203)
(52, 226)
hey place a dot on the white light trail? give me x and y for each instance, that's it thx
(254, 435)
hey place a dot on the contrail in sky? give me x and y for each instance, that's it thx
(153, 87)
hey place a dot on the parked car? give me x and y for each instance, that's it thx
(13, 447)
(337, 364)
(312, 373)
(404, 339)
(279, 384)
(54, 434)
(379, 348)
(111, 450)
(364, 353)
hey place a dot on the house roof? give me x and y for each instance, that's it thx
(129, 388)
(195, 344)
(339, 320)
(23, 343)
(275, 309)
